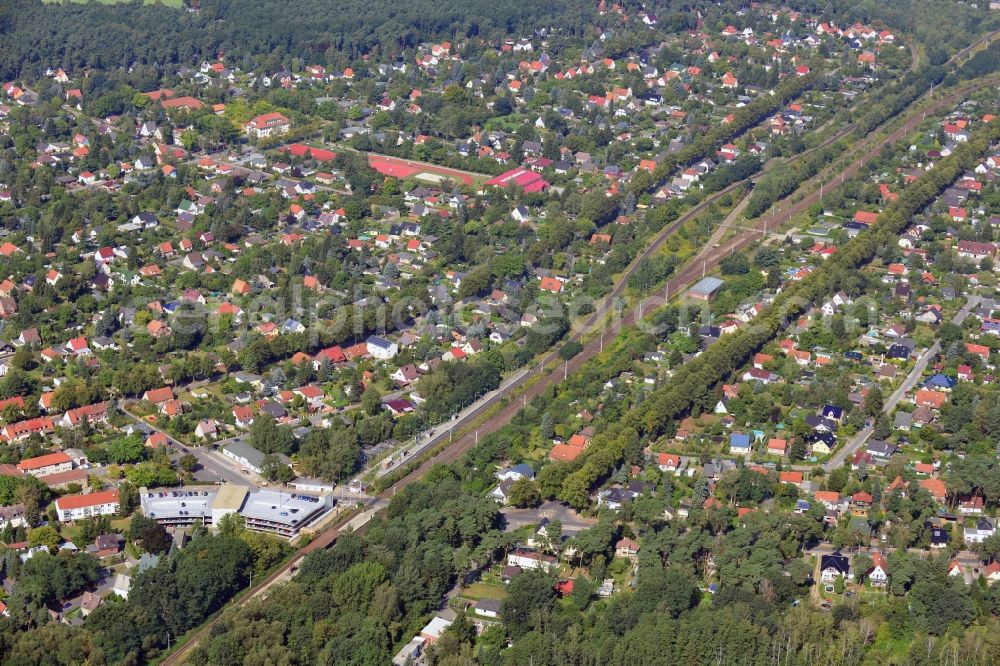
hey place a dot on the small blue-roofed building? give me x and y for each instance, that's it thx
(739, 444)
(940, 382)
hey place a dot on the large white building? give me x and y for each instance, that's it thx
(79, 507)
(269, 124)
(282, 513)
(262, 510)
(381, 348)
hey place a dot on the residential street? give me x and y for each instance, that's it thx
(572, 522)
(212, 468)
(911, 380)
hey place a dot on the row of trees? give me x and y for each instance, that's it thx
(743, 119)
(779, 183)
(692, 389)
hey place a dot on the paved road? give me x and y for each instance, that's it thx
(908, 383)
(211, 467)
(506, 413)
(572, 522)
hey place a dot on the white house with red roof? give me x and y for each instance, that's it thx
(268, 124)
(311, 393)
(668, 462)
(50, 463)
(78, 507)
(879, 573)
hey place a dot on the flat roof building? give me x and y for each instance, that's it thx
(178, 508)
(262, 510)
(230, 499)
(281, 513)
(706, 288)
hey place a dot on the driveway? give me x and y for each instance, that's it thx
(572, 522)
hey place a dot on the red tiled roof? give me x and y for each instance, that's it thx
(159, 395)
(69, 476)
(89, 499)
(43, 461)
(565, 452)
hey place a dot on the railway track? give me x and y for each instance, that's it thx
(692, 271)
(708, 258)
(464, 442)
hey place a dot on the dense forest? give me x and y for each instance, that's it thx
(266, 36)
(34, 36)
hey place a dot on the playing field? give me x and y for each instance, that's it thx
(398, 168)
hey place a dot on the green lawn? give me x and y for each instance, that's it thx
(478, 591)
(176, 4)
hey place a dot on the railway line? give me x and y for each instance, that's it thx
(538, 379)
(706, 260)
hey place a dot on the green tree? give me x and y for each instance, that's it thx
(874, 401)
(524, 492)
(838, 479)
(275, 470)
(268, 437)
(44, 536)
(188, 462)
(546, 429)
(371, 401)
(125, 450)
(882, 428)
(149, 534)
(529, 595)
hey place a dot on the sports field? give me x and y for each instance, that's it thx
(399, 168)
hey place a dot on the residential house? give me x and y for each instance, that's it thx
(77, 507)
(980, 530)
(268, 124)
(529, 559)
(833, 566)
(878, 575)
(739, 444)
(381, 348)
